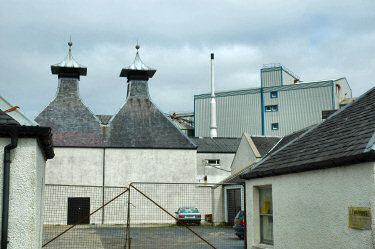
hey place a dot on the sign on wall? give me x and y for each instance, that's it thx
(360, 218)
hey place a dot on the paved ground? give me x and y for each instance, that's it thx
(110, 237)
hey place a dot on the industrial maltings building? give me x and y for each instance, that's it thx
(283, 104)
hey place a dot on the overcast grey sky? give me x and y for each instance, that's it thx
(315, 39)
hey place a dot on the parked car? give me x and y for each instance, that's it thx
(188, 215)
(239, 224)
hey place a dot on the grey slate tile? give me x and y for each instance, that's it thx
(217, 144)
(71, 121)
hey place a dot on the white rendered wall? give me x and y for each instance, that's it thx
(84, 166)
(244, 155)
(124, 166)
(75, 166)
(214, 175)
(25, 194)
(341, 92)
(311, 208)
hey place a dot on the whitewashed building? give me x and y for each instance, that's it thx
(317, 191)
(138, 144)
(282, 105)
(214, 158)
(25, 149)
(250, 150)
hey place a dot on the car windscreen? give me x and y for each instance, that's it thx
(239, 214)
(189, 210)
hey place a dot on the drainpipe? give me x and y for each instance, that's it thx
(5, 212)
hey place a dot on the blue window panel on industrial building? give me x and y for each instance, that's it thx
(273, 94)
(271, 108)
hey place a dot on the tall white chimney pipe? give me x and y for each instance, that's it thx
(213, 126)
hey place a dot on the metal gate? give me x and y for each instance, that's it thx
(103, 227)
(141, 216)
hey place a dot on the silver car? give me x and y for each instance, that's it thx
(188, 215)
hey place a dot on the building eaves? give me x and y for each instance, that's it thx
(340, 140)
(245, 91)
(43, 134)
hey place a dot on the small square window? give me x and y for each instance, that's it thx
(273, 94)
(271, 108)
(275, 126)
(213, 162)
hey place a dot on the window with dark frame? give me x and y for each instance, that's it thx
(266, 215)
(274, 126)
(271, 108)
(273, 94)
(213, 162)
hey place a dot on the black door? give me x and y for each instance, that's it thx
(78, 208)
(233, 204)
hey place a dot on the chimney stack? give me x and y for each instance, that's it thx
(213, 126)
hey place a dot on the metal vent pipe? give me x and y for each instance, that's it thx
(213, 126)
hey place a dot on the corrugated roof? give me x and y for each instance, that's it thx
(217, 144)
(346, 137)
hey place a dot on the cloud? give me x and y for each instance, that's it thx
(315, 39)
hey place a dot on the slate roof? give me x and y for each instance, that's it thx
(264, 144)
(8, 125)
(288, 138)
(346, 137)
(327, 113)
(139, 123)
(217, 144)
(5, 119)
(71, 121)
(104, 119)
